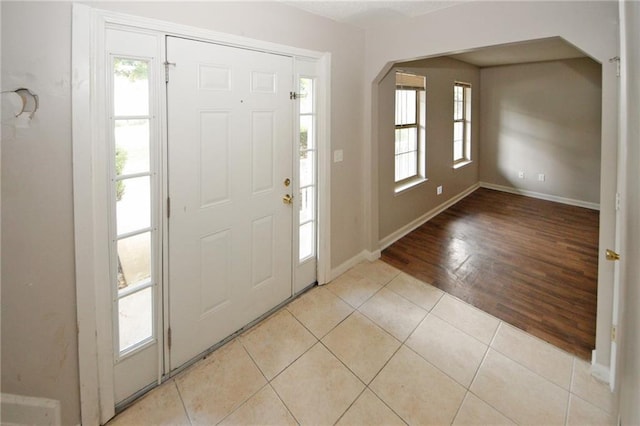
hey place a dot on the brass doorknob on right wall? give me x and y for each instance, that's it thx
(611, 255)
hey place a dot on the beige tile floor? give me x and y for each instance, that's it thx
(377, 346)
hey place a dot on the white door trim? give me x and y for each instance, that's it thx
(89, 175)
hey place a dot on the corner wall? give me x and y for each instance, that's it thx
(543, 118)
(629, 369)
(397, 210)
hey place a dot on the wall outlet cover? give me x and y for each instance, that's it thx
(439, 190)
(521, 174)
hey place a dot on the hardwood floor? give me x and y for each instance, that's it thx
(529, 262)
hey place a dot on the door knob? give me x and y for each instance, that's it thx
(611, 255)
(287, 199)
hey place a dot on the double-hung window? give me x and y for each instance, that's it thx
(461, 123)
(409, 129)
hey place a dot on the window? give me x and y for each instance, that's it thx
(410, 120)
(133, 230)
(461, 123)
(307, 151)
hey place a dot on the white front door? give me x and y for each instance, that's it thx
(229, 158)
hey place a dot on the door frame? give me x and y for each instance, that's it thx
(90, 193)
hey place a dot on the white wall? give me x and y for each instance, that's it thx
(630, 331)
(590, 26)
(543, 118)
(39, 345)
(397, 210)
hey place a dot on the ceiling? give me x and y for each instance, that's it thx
(368, 14)
(548, 49)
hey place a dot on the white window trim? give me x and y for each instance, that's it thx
(421, 175)
(91, 255)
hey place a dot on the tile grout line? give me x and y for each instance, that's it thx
(268, 382)
(351, 405)
(466, 394)
(283, 403)
(186, 411)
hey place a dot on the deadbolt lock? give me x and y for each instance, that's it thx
(287, 182)
(611, 255)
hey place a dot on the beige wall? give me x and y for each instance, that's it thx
(543, 118)
(630, 332)
(39, 345)
(397, 210)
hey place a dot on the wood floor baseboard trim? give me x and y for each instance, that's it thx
(392, 238)
(350, 263)
(541, 196)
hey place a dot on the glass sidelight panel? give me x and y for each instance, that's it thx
(130, 87)
(134, 226)
(307, 170)
(134, 261)
(132, 146)
(133, 204)
(135, 317)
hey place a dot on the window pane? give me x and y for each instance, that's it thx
(406, 140)
(135, 317)
(133, 204)
(405, 107)
(458, 145)
(134, 260)
(307, 203)
(458, 153)
(406, 165)
(130, 87)
(306, 96)
(307, 133)
(307, 168)
(132, 146)
(307, 240)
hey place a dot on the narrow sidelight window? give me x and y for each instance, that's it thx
(410, 108)
(461, 123)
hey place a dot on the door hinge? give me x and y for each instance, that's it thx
(168, 207)
(169, 337)
(616, 59)
(167, 64)
(614, 330)
(293, 96)
(617, 201)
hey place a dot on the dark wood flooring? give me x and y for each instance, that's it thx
(529, 262)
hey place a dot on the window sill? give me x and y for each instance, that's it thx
(405, 186)
(461, 164)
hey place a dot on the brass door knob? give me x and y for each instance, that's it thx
(287, 199)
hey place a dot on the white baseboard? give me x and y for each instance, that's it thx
(28, 410)
(350, 263)
(395, 236)
(541, 196)
(599, 371)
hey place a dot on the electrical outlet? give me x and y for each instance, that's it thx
(439, 190)
(541, 177)
(521, 174)
(338, 156)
